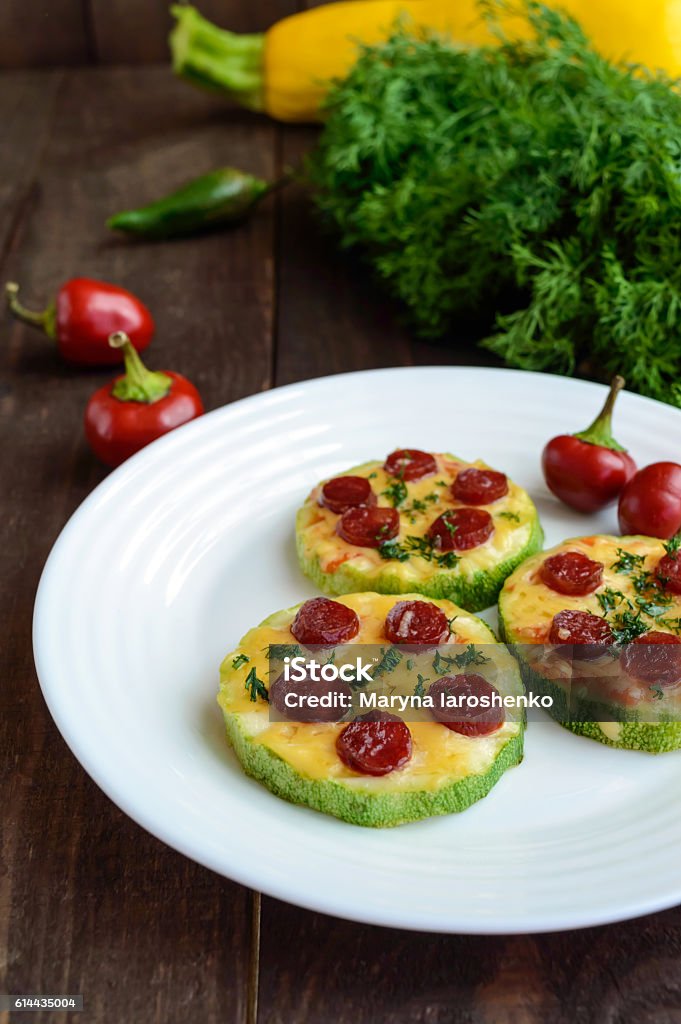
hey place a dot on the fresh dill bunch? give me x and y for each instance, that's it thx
(535, 168)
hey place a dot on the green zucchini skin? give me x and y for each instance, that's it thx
(583, 719)
(474, 594)
(652, 738)
(380, 810)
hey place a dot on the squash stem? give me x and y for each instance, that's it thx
(212, 58)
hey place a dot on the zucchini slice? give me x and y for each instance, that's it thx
(604, 700)
(410, 562)
(299, 761)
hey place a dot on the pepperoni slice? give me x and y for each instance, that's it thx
(344, 492)
(339, 691)
(668, 573)
(324, 623)
(468, 718)
(649, 657)
(368, 527)
(416, 622)
(459, 529)
(410, 464)
(571, 572)
(479, 486)
(575, 627)
(374, 747)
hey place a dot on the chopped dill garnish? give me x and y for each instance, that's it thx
(396, 493)
(420, 689)
(627, 561)
(421, 547)
(442, 663)
(393, 550)
(419, 506)
(255, 686)
(389, 661)
(471, 656)
(655, 606)
(673, 545)
(627, 625)
(609, 599)
(277, 652)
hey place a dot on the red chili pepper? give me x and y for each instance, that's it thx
(588, 470)
(137, 407)
(83, 315)
(651, 502)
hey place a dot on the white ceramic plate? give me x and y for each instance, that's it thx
(181, 550)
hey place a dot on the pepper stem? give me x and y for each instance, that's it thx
(600, 431)
(137, 384)
(44, 321)
(216, 59)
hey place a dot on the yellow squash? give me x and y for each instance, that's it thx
(286, 72)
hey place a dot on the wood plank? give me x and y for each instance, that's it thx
(28, 101)
(88, 902)
(127, 32)
(47, 32)
(318, 969)
(330, 316)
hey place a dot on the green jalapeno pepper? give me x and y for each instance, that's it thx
(224, 196)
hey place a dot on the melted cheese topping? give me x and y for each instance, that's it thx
(513, 515)
(440, 756)
(528, 605)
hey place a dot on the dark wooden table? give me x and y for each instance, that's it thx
(88, 901)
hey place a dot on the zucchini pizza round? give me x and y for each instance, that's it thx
(420, 522)
(376, 769)
(616, 603)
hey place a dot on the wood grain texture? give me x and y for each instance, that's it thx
(28, 104)
(317, 970)
(330, 318)
(88, 902)
(35, 33)
(131, 32)
(51, 33)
